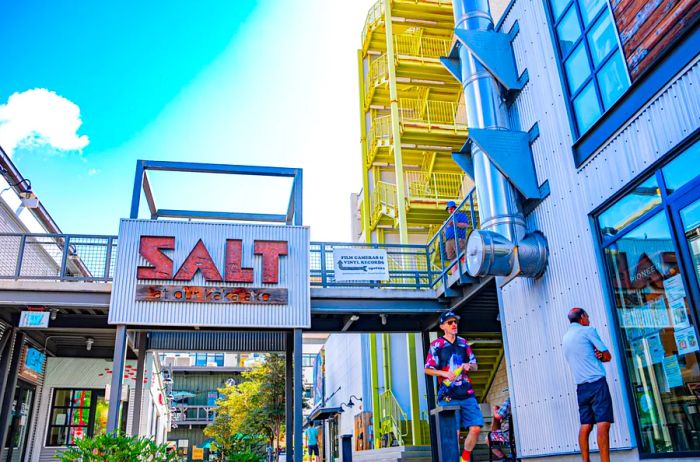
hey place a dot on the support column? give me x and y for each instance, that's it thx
(138, 394)
(6, 358)
(430, 392)
(115, 392)
(9, 392)
(298, 399)
(289, 394)
(374, 382)
(395, 124)
(413, 378)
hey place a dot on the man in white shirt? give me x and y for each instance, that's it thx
(586, 353)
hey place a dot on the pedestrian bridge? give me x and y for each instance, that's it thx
(71, 274)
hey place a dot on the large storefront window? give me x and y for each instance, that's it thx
(76, 413)
(650, 236)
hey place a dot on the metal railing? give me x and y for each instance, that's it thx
(378, 74)
(466, 212)
(375, 14)
(432, 112)
(434, 185)
(92, 258)
(417, 45)
(383, 200)
(393, 421)
(408, 266)
(193, 414)
(76, 257)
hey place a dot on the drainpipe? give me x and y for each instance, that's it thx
(502, 246)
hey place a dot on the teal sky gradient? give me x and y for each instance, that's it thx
(242, 82)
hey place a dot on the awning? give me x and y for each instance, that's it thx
(324, 413)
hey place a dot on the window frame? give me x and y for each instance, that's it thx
(665, 207)
(594, 69)
(91, 419)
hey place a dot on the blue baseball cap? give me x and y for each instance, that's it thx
(451, 204)
(448, 315)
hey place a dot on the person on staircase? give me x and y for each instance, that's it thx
(449, 359)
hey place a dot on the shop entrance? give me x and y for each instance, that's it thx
(20, 417)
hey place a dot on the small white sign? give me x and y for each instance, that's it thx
(34, 319)
(360, 264)
(125, 392)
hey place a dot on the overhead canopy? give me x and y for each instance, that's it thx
(324, 413)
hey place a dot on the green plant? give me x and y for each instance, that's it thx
(116, 447)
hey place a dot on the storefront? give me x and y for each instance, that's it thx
(649, 236)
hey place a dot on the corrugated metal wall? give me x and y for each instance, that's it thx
(294, 275)
(535, 311)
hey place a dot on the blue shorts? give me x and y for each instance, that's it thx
(469, 414)
(594, 402)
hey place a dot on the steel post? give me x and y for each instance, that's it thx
(374, 381)
(298, 399)
(430, 395)
(10, 385)
(289, 393)
(138, 394)
(412, 371)
(115, 392)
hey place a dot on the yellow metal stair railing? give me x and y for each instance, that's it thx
(414, 43)
(383, 201)
(434, 185)
(446, 114)
(378, 74)
(379, 136)
(392, 420)
(374, 16)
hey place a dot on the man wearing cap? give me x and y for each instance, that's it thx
(585, 353)
(457, 222)
(449, 359)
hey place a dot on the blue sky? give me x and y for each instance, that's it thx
(242, 82)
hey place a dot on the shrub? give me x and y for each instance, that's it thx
(115, 447)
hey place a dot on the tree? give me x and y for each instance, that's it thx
(255, 406)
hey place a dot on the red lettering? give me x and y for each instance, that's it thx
(233, 272)
(199, 259)
(150, 248)
(270, 251)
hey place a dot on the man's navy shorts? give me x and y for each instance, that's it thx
(594, 402)
(469, 414)
(313, 449)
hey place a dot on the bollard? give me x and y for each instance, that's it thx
(346, 448)
(447, 436)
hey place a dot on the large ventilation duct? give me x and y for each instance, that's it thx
(502, 246)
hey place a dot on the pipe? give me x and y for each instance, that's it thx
(503, 243)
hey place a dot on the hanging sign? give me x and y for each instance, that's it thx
(360, 264)
(31, 364)
(211, 274)
(34, 319)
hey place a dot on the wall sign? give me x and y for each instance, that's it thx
(360, 264)
(34, 319)
(211, 274)
(31, 364)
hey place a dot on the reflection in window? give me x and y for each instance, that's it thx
(683, 168)
(595, 70)
(642, 199)
(659, 335)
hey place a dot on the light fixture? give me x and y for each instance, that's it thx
(350, 403)
(167, 381)
(29, 199)
(383, 316)
(54, 314)
(88, 343)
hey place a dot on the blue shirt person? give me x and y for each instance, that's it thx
(585, 352)
(458, 222)
(312, 442)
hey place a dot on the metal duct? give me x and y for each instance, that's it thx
(502, 244)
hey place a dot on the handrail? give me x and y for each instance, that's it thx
(190, 413)
(415, 44)
(434, 185)
(391, 415)
(375, 14)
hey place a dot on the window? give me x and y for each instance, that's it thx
(592, 62)
(653, 268)
(203, 359)
(76, 413)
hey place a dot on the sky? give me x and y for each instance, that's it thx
(88, 88)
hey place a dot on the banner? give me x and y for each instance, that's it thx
(360, 264)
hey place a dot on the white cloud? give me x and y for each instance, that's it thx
(40, 117)
(93, 171)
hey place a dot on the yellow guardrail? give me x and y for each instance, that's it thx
(421, 46)
(390, 418)
(375, 13)
(434, 185)
(383, 200)
(379, 132)
(433, 112)
(377, 74)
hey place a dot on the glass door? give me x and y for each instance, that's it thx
(21, 415)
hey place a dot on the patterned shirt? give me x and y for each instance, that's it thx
(446, 356)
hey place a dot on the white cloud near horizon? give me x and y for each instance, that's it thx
(40, 118)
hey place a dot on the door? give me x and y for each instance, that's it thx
(20, 418)
(686, 216)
